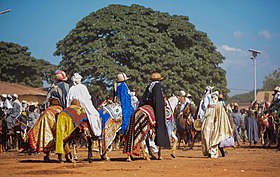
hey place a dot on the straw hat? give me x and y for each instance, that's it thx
(189, 95)
(197, 124)
(60, 75)
(156, 76)
(122, 77)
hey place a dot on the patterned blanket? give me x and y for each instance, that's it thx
(141, 122)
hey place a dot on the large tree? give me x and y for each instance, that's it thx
(18, 66)
(272, 80)
(138, 41)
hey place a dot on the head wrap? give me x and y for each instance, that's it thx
(76, 78)
(182, 93)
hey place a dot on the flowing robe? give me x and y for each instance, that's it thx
(80, 92)
(125, 100)
(153, 94)
(216, 127)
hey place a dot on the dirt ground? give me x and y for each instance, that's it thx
(241, 161)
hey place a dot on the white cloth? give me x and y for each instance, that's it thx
(80, 92)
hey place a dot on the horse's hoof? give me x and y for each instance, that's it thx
(147, 158)
(90, 160)
(128, 160)
(172, 155)
(159, 158)
(47, 159)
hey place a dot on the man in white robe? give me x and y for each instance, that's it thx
(80, 92)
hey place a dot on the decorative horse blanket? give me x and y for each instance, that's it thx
(42, 134)
(111, 123)
(142, 120)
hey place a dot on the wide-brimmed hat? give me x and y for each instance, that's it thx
(60, 75)
(156, 76)
(189, 95)
(122, 77)
(197, 124)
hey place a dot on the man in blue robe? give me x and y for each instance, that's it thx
(124, 98)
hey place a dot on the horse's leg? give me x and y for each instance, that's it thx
(89, 150)
(174, 144)
(128, 158)
(146, 156)
(148, 144)
(47, 157)
(159, 153)
(75, 157)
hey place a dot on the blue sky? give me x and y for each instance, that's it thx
(233, 27)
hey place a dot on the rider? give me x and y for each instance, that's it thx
(60, 88)
(80, 92)
(205, 102)
(153, 95)
(124, 97)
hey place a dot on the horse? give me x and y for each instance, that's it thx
(111, 115)
(140, 130)
(184, 124)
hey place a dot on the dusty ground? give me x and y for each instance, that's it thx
(243, 161)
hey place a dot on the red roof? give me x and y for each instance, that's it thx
(11, 88)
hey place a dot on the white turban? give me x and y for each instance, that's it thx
(76, 78)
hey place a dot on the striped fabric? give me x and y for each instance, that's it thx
(227, 142)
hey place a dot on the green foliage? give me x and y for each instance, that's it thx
(17, 66)
(272, 80)
(242, 98)
(138, 41)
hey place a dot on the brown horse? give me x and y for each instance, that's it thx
(184, 124)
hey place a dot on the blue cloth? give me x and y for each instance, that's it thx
(104, 118)
(127, 109)
(251, 126)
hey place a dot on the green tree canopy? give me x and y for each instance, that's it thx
(138, 41)
(272, 80)
(18, 66)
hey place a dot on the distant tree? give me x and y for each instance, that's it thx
(272, 80)
(18, 66)
(138, 41)
(242, 98)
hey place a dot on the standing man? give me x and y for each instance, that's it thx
(12, 115)
(60, 88)
(236, 116)
(124, 98)
(153, 95)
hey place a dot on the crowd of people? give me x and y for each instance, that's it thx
(26, 124)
